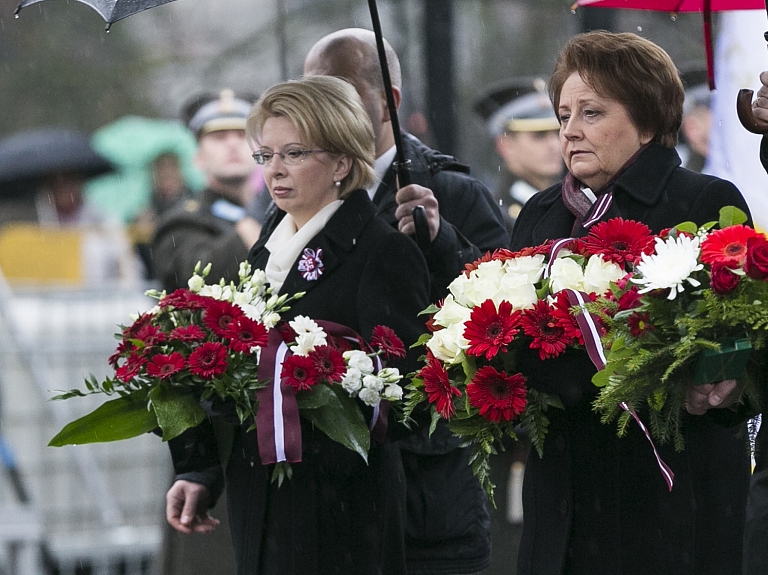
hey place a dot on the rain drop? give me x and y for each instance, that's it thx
(639, 28)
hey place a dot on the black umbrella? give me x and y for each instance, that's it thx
(26, 157)
(110, 10)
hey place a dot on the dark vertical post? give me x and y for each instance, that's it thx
(441, 92)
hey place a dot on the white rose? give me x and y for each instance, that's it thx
(358, 360)
(458, 288)
(393, 392)
(517, 289)
(531, 266)
(352, 381)
(448, 344)
(599, 274)
(370, 396)
(566, 274)
(451, 312)
(373, 382)
(195, 283)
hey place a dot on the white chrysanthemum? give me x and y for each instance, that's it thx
(302, 324)
(451, 312)
(670, 266)
(358, 360)
(448, 344)
(566, 274)
(352, 381)
(599, 273)
(392, 392)
(370, 396)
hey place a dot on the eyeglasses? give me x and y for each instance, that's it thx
(289, 157)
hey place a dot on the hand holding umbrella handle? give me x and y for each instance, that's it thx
(421, 227)
(746, 116)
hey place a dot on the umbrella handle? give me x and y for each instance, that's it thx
(747, 116)
(421, 227)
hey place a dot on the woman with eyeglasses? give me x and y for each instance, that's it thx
(337, 513)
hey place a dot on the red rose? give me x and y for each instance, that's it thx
(722, 280)
(756, 262)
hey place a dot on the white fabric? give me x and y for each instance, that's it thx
(286, 243)
(522, 191)
(590, 195)
(380, 167)
(734, 153)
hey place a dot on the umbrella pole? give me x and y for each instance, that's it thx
(402, 164)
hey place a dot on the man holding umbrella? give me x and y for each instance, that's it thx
(448, 525)
(216, 228)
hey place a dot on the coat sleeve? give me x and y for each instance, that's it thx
(470, 225)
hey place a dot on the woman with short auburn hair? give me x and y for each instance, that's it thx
(595, 503)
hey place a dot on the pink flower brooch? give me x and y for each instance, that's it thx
(310, 264)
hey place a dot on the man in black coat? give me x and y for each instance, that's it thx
(447, 518)
(215, 228)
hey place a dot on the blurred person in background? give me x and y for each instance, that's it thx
(168, 190)
(596, 502)
(217, 227)
(447, 518)
(524, 129)
(756, 529)
(697, 118)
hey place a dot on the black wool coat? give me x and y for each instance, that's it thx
(596, 504)
(337, 515)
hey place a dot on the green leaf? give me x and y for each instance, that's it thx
(342, 421)
(176, 411)
(318, 396)
(423, 339)
(731, 216)
(115, 420)
(688, 227)
(600, 379)
(430, 310)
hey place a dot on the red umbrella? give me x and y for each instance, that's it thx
(674, 6)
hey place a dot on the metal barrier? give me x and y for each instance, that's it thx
(100, 507)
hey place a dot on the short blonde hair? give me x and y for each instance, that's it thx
(630, 70)
(329, 115)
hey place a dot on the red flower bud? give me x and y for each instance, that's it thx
(756, 262)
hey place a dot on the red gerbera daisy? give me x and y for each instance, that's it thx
(565, 319)
(385, 339)
(489, 331)
(299, 372)
(183, 299)
(122, 347)
(548, 337)
(639, 323)
(150, 335)
(497, 395)
(131, 368)
(143, 320)
(437, 386)
(219, 314)
(188, 333)
(245, 333)
(209, 360)
(620, 241)
(164, 366)
(534, 251)
(329, 363)
(727, 246)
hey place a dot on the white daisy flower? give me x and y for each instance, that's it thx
(670, 266)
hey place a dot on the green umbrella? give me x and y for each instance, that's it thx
(132, 143)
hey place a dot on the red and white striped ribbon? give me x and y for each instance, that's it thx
(588, 325)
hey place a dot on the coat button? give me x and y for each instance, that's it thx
(564, 508)
(560, 443)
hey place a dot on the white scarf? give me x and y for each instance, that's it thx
(286, 243)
